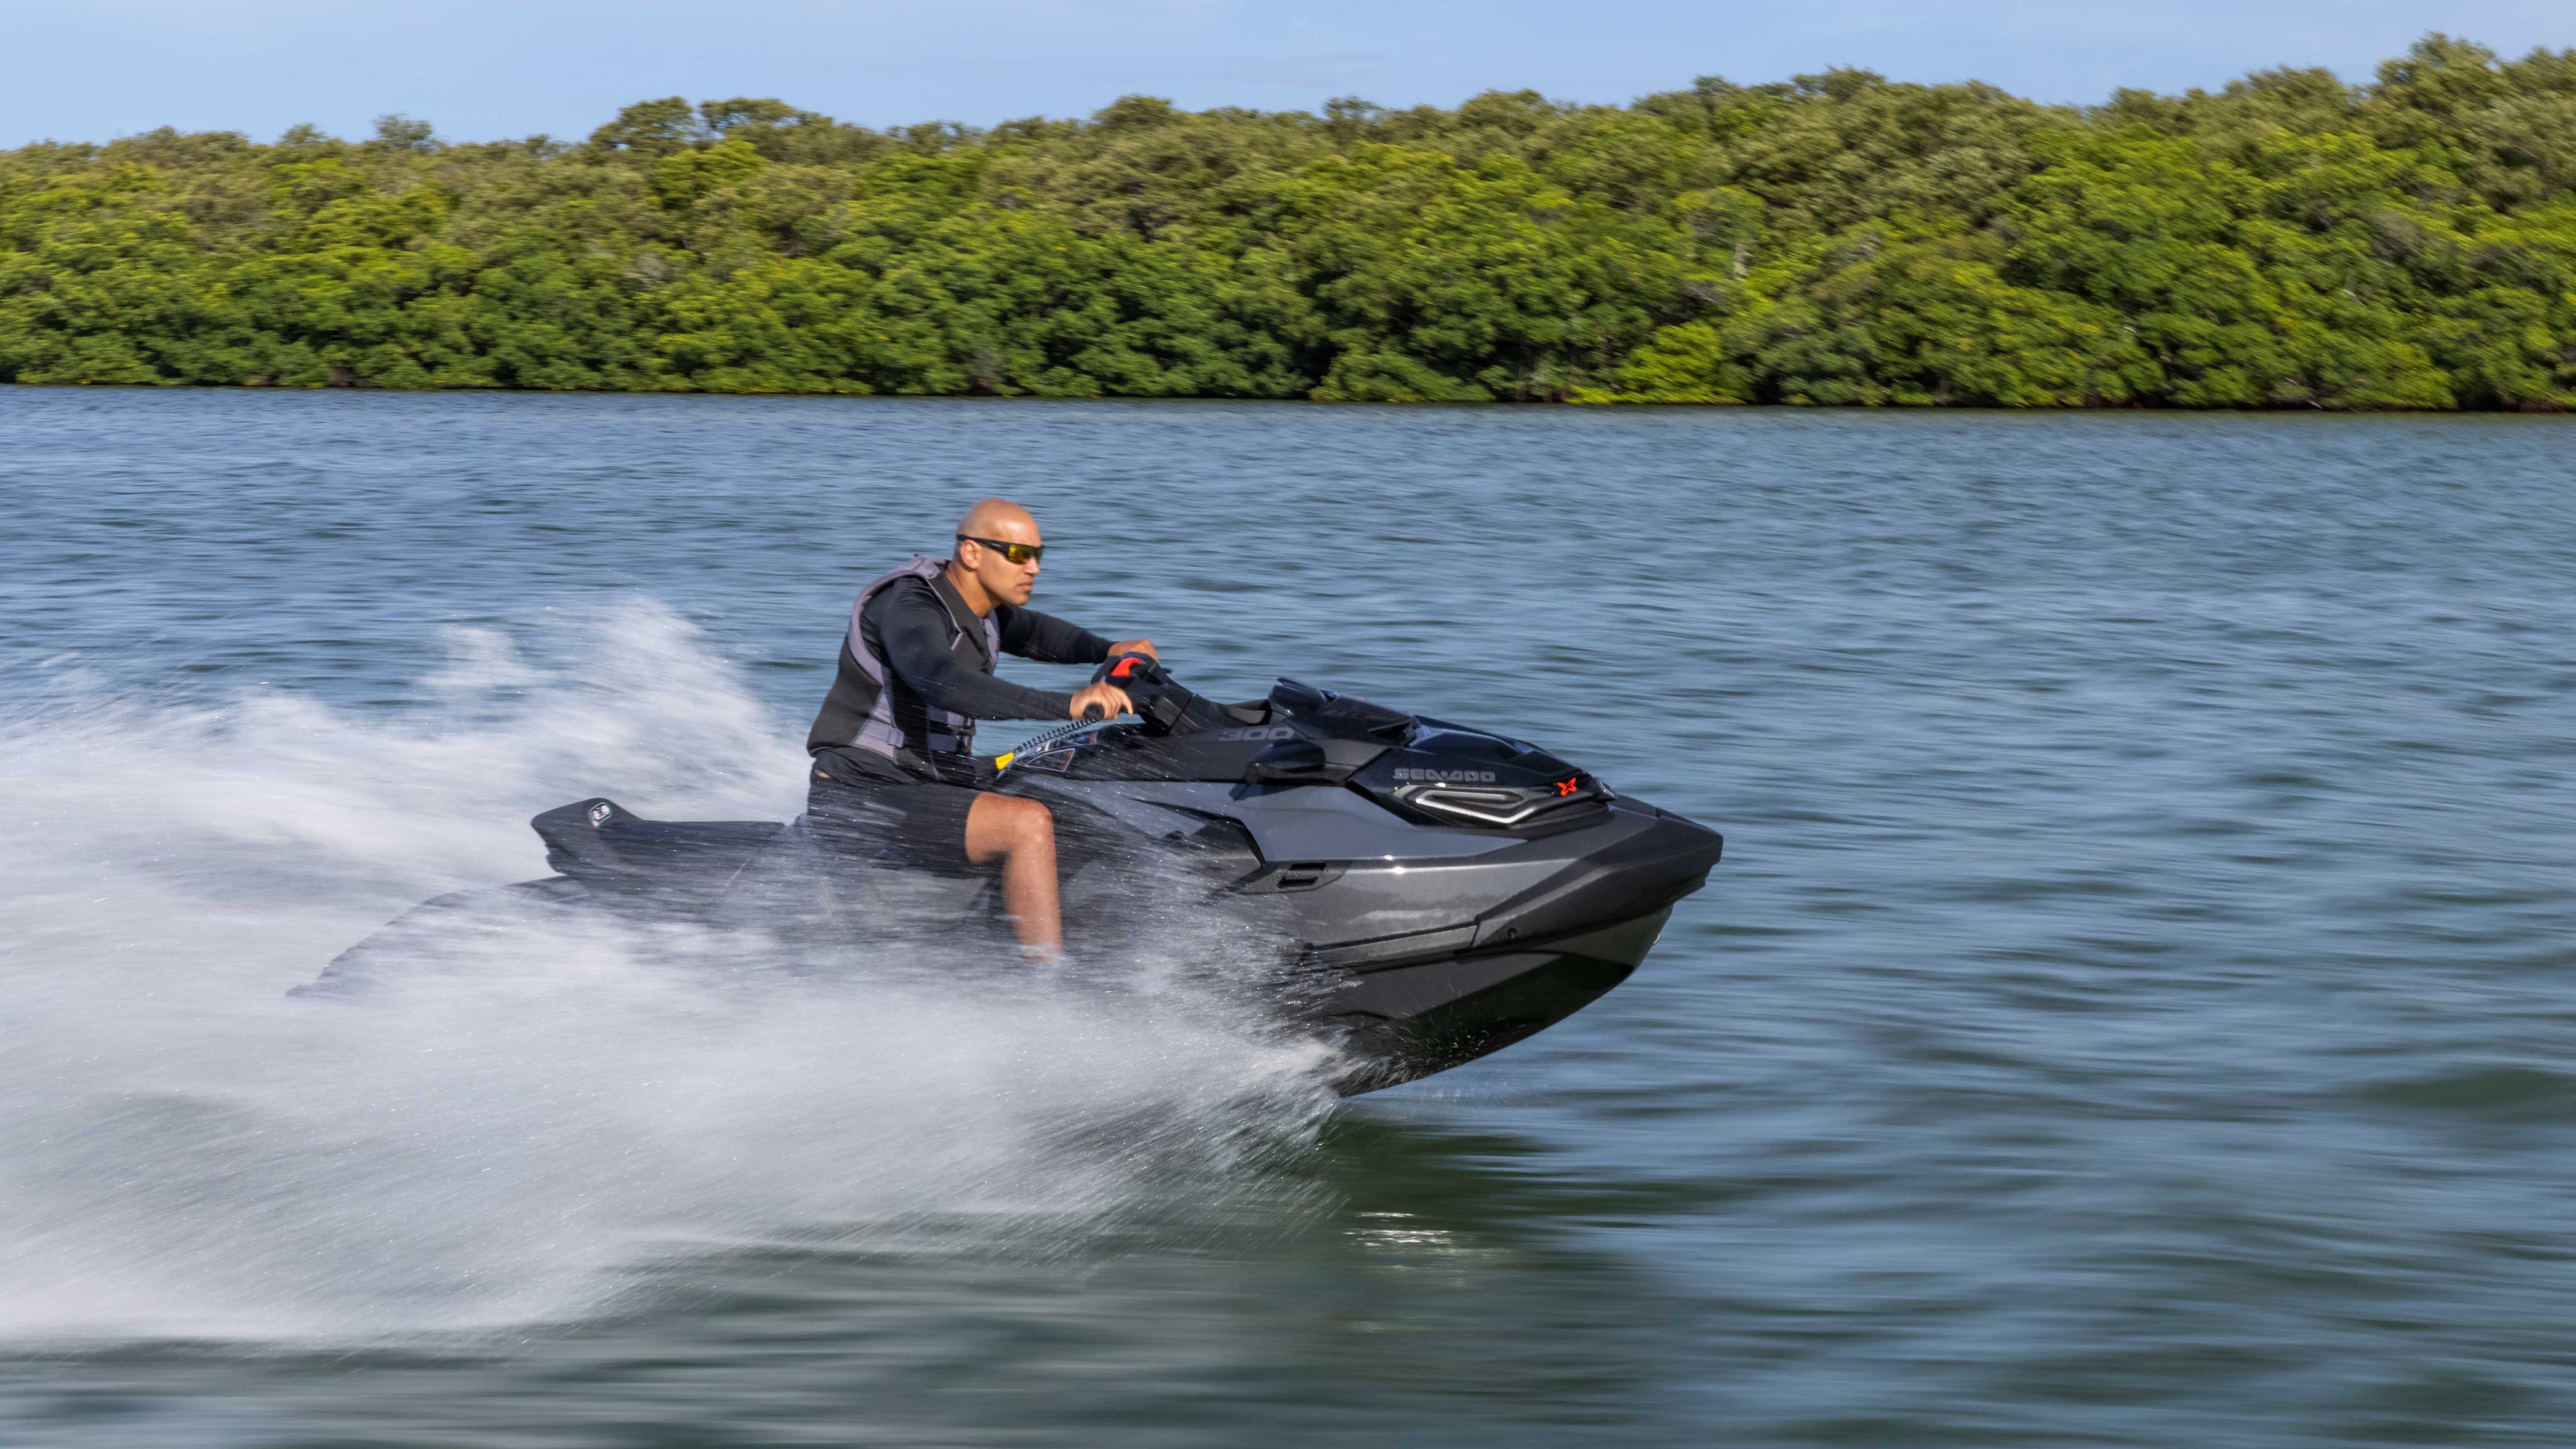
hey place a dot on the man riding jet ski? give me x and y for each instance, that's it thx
(1420, 893)
(895, 775)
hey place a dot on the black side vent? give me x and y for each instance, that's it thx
(1294, 875)
(1303, 875)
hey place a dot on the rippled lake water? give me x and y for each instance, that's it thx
(2138, 1005)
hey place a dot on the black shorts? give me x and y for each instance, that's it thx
(919, 824)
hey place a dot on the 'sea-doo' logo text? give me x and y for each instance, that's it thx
(1274, 732)
(1448, 777)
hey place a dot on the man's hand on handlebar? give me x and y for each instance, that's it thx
(1108, 699)
(1135, 646)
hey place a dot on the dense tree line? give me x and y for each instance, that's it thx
(2289, 242)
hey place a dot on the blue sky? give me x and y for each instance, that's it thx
(480, 69)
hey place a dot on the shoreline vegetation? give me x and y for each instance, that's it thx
(2287, 242)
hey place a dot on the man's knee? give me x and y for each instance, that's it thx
(1032, 823)
(1007, 825)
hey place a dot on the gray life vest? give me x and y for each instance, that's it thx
(871, 708)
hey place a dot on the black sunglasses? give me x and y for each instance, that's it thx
(1017, 553)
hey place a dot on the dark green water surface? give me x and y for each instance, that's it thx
(2138, 1005)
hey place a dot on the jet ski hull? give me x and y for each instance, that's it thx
(1404, 1023)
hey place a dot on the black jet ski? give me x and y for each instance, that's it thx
(1422, 892)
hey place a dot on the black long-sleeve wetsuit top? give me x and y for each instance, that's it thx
(909, 629)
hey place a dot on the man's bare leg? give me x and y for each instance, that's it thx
(1021, 835)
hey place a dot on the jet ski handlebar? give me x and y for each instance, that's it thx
(1160, 700)
(1120, 669)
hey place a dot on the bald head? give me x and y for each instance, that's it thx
(981, 572)
(1002, 519)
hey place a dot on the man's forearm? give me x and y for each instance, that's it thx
(978, 695)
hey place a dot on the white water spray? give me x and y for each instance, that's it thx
(186, 1152)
